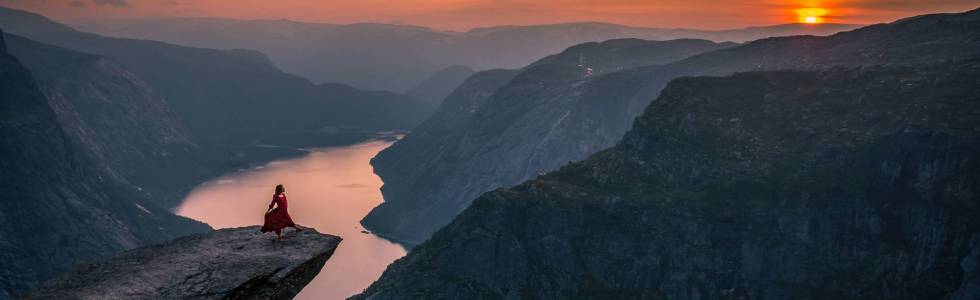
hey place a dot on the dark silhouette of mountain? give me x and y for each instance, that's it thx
(61, 204)
(229, 97)
(398, 58)
(440, 85)
(849, 183)
(431, 171)
(116, 117)
(525, 129)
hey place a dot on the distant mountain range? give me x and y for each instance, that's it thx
(398, 58)
(545, 118)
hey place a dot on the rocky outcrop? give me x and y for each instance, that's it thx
(61, 205)
(235, 263)
(533, 125)
(842, 184)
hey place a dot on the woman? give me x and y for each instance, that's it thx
(278, 218)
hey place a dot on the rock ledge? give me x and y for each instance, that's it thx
(234, 263)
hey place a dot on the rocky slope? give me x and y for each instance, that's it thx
(228, 97)
(857, 183)
(61, 205)
(528, 127)
(115, 116)
(235, 263)
(404, 166)
(399, 57)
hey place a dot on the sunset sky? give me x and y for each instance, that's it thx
(466, 14)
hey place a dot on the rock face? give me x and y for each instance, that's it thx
(235, 263)
(856, 183)
(61, 205)
(117, 117)
(532, 125)
(488, 146)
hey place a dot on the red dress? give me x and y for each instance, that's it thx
(278, 218)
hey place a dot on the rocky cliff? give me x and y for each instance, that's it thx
(235, 263)
(424, 189)
(61, 205)
(116, 116)
(857, 183)
(532, 125)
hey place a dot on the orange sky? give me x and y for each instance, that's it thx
(466, 14)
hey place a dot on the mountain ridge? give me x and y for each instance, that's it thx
(397, 58)
(525, 132)
(413, 167)
(846, 183)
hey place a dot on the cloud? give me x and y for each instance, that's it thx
(78, 4)
(116, 3)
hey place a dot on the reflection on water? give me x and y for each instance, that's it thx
(330, 190)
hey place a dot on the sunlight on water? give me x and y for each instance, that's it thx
(330, 190)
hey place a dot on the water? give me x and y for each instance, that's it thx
(330, 189)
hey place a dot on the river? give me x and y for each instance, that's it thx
(329, 189)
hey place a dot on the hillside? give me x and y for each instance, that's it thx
(527, 127)
(850, 183)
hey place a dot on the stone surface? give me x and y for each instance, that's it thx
(856, 183)
(235, 263)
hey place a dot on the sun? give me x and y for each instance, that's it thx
(811, 15)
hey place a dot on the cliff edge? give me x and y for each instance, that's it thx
(235, 263)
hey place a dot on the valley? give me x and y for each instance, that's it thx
(584, 160)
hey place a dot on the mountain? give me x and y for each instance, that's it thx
(231, 263)
(115, 116)
(438, 86)
(399, 58)
(229, 97)
(61, 205)
(525, 129)
(849, 183)
(430, 173)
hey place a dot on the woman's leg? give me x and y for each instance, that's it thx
(279, 234)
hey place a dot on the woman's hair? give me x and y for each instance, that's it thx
(280, 189)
